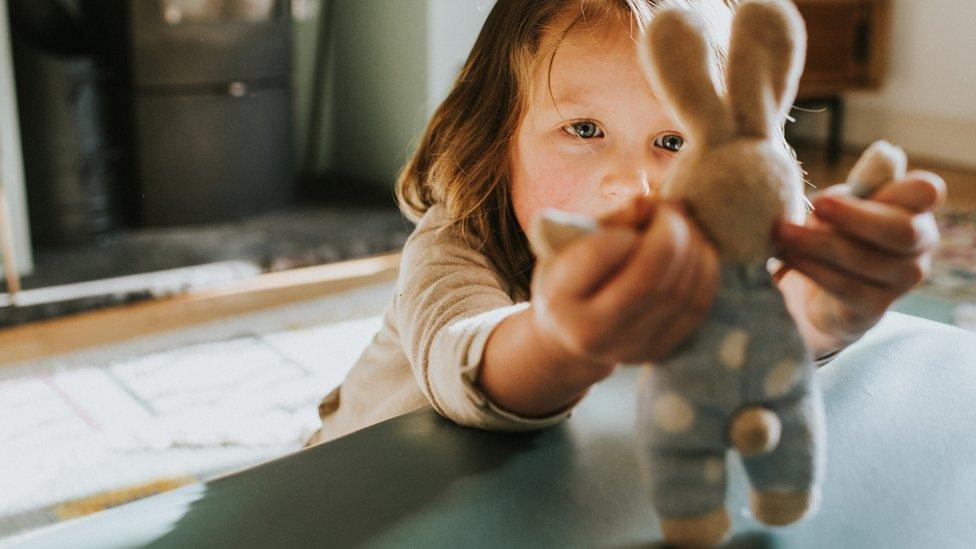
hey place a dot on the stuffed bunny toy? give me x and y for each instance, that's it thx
(745, 378)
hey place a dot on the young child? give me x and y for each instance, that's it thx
(551, 110)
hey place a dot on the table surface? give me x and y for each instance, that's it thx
(901, 411)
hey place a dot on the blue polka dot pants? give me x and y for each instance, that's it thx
(747, 353)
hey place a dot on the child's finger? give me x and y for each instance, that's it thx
(889, 228)
(919, 192)
(696, 287)
(580, 269)
(657, 261)
(697, 299)
(635, 213)
(852, 258)
(867, 299)
(649, 326)
(839, 188)
(678, 290)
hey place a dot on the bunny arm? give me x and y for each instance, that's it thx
(880, 163)
(552, 230)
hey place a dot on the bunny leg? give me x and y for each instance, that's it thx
(688, 493)
(786, 481)
(683, 456)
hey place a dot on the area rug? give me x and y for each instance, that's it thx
(953, 278)
(97, 428)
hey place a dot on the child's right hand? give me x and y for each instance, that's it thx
(631, 291)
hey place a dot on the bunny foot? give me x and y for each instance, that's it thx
(780, 508)
(706, 530)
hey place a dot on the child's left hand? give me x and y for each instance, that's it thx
(857, 256)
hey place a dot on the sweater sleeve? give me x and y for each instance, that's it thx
(448, 302)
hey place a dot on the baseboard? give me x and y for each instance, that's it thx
(935, 140)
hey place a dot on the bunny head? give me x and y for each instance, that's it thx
(735, 175)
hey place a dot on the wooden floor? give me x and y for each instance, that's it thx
(101, 327)
(961, 183)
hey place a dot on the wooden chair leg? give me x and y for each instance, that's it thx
(835, 139)
(7, 246)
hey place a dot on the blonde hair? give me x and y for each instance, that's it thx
(462, 160)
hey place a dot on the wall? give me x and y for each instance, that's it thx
(304, 36)
(379, 79)
(453, 27)
(928, 102)
(11, 167)
(390, 63)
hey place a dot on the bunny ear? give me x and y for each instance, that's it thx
(766, 59)
(552, 230)
(679, 65)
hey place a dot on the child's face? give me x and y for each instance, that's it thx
(599, 139)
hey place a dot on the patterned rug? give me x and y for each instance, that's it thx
(93, 429)
(953, 278)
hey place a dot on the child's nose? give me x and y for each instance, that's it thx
(622, 186)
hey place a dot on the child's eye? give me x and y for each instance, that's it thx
(585, 129)
(670, 142)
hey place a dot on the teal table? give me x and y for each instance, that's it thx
(901, 409)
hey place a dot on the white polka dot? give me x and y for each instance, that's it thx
(781, 378)
(732, 351)
(673, 413)
(714, 469)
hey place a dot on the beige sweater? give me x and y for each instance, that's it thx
(448, 299)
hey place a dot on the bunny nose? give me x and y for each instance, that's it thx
(623, 187)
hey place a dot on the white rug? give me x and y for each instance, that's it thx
(174, 407)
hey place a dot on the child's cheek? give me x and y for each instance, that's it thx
(544, 182)
(548, 190)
